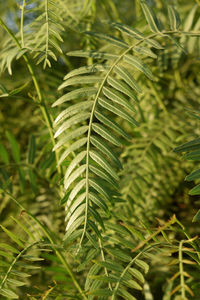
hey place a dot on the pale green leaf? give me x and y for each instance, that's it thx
(73, 109)
(78, 93)
(118, 111)
(138, 64)
(70, 136)
(76, 145)
(118, 97)
(112, 124)
(104, 148)
(150, 16)
(110, 39)
(104, 175)
(76, 214)
(137, 274)
(79, 157)
(174, 18)
(101, 161)
(125, 295)
(98, 201)
(123, 88)
(69, 180)
(128, 78)
(80, 80)
(8, 294)
(86, 69)
(93, 54)
(102, 131)
(72, 121)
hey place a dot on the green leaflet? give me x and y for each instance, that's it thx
(80, 80)
(102, 131)
(8, 294)
(128, 78)
(195, 190)
(125, 295)
(93, 271)
(194, 155)
(76, 145)
(98, 219)
(76, 215)
(190, 18)
(150, 16)
(15, 282)
(121, 255)
(104, 175)
(101, 292)
(74, 226)
(78, 93)
(31, 150)
(174, 18)
(118, 111)
(86, 69)
(193, 176)
(98, 201)
(112, 124)
(142, 264)
(122, 88)
(104, 148)
(97, 185)
(74, 163)
(4, 154)
(72, 110)
(144, 51)
(9, 248)
(13, 236)
(138, 64)
(93, 54)
(192, 145)
(128, 30)
(101, 161)
(118, 97)
(72, 121)
(68, 181)
(110, 39)
(111, 265)
(70, 136)
(70, 209)
(75, 191)
(137, 274)
(196, 218)
(14, 146)
(94, 227)
(134, 33)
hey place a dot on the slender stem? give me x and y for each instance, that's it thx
(182, 283)
(103, 259)
(51, 240)
(22, 23)
(47, 33)
(40, 101)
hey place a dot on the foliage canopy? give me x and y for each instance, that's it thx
(93, 199)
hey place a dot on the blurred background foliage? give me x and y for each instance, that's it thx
(152, 180)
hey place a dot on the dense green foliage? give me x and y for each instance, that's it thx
(93, 199)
